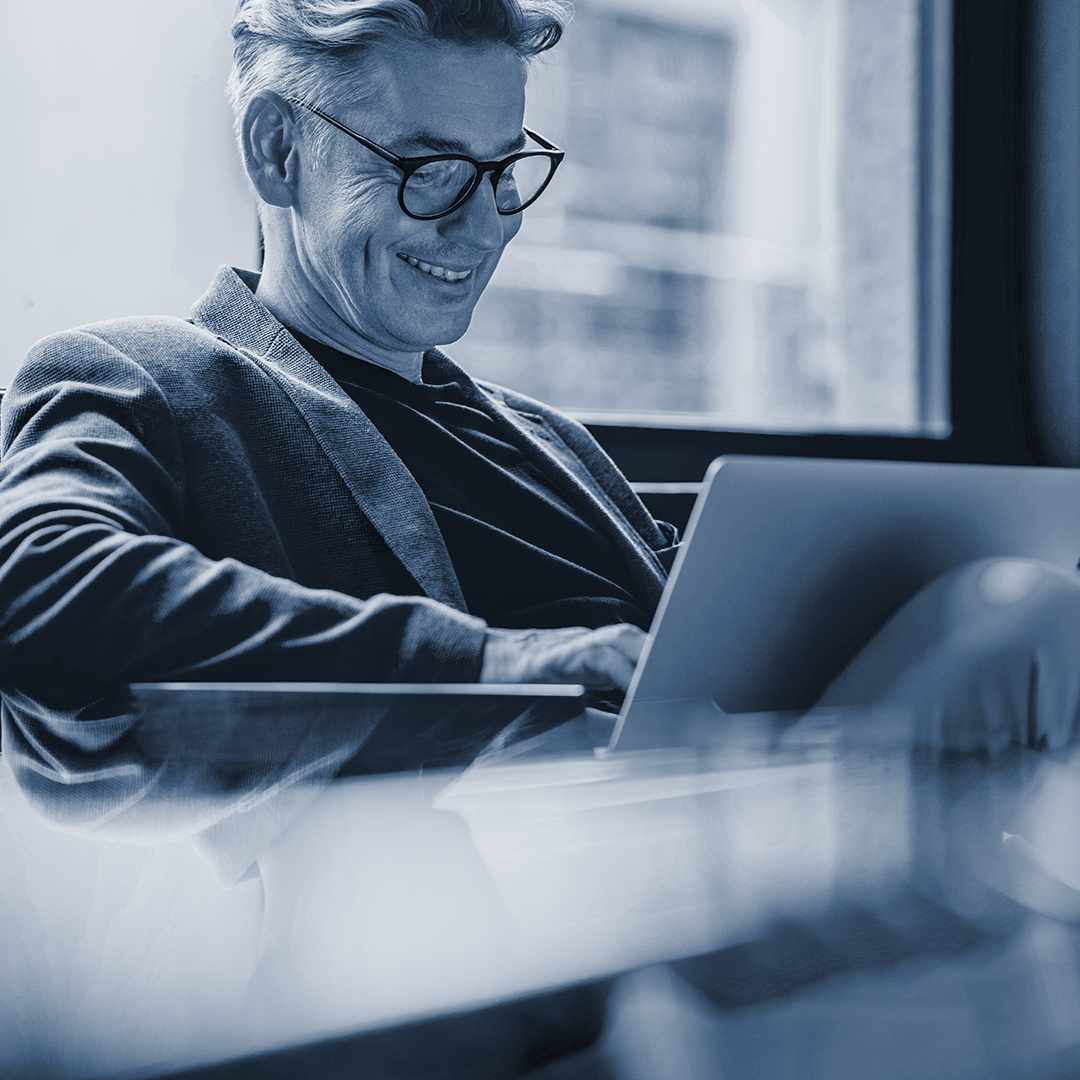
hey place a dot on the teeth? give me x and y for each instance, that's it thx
(438, 271)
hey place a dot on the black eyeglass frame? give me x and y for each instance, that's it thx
(409, 165)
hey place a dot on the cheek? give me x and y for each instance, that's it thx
(355, 217)
(365, 196)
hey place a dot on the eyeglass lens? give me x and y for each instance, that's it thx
(435, 187)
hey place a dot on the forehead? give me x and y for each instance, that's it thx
(473, 97)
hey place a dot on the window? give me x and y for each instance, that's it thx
(1000, 227)
(754, 195)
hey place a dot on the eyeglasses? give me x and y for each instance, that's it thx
(434, 186)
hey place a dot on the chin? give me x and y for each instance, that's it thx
(440, 334)
(458, 335)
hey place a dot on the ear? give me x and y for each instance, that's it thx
(269, 139)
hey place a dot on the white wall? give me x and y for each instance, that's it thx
(120, 191)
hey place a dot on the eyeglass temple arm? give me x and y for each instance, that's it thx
(542, 141)
(385, 154)
(375, 148)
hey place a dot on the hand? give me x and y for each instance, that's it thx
(598, 659)
(985, 655)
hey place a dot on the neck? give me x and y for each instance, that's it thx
(290, 302)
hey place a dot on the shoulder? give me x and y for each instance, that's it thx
(572, 433)
(138, 371)
(133, 361)
(610, 482)
(532, 409)
(151, 343)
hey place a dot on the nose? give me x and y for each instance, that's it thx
(478, 223)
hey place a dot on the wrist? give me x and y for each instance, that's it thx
(501, 656)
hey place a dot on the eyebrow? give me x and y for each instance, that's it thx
(437, 144)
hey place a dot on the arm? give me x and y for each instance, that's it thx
(98, 586)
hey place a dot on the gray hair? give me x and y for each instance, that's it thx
(311, 49)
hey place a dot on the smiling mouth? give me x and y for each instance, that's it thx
(435, 271)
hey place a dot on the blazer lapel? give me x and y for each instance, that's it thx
(383, 488)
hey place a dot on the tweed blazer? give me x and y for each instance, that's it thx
(199, 499)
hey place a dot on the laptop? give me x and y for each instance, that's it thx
(788, 567)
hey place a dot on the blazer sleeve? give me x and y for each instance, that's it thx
(99, 588)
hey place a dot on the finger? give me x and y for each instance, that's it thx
(610, 658)
(598, 659)
(619, 670)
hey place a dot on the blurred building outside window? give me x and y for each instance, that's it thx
(750, 226)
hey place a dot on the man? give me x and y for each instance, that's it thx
(297, 484)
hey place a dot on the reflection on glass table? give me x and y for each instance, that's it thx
(834, 905)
